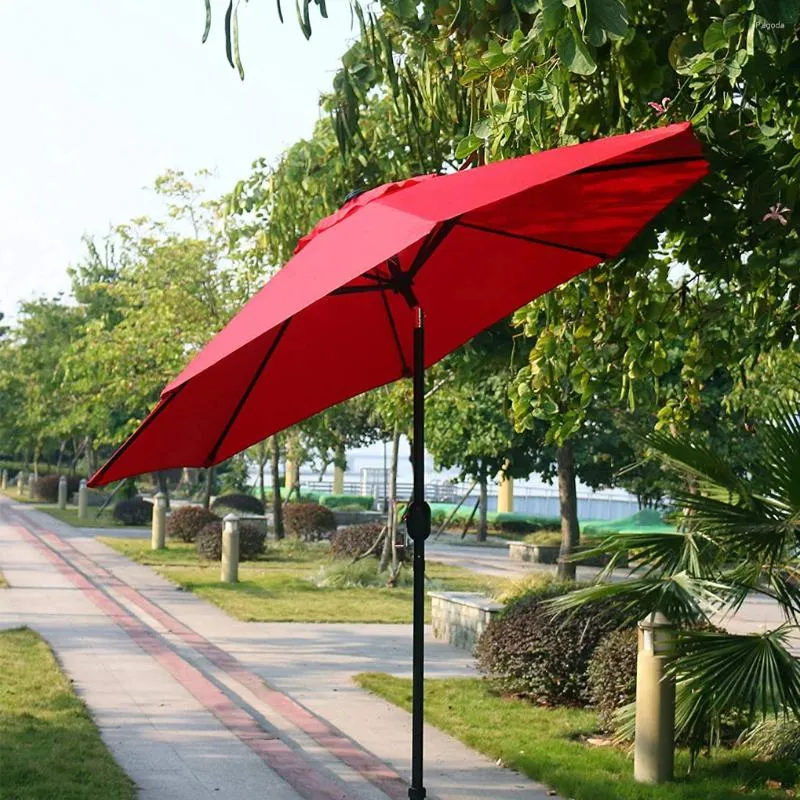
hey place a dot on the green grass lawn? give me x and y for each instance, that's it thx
(49, 745)
(548, 746)
(278, 587)
(11, 494)
(70, 516)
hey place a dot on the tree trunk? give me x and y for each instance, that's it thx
(262, 463)
(208, 487)
(389, 549)
(568, 499)
(61, 449)
(163, 486)
(277, 510)
(484, 498)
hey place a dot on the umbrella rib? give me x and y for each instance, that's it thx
(432, 241)
(129, 441)
(406, 370)
(534, 240)
(378, 287)
(654, 162)
(243, 399)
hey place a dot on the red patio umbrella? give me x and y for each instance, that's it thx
(436, 256)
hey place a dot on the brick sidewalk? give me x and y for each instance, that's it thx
(195, 704)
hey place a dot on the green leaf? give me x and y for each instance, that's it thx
(526, 6)
(468, 145)
(483, 128)
(552, 14)
(607, 15)
(573, 52)
(681, 52)
(208, 21)
(714, 37)
(405, 9)
(702, 113)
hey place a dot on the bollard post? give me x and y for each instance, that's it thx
(62, 492)
(83, 499)
(158, 535)
(22, 479)
(229, 572)
(4, 480)
(654, 745)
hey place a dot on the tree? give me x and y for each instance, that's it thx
(543, 75)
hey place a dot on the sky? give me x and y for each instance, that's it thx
(98, 98)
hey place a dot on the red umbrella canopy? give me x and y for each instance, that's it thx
(468, 248)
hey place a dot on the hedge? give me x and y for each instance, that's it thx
(186, 522)
(339, 500)
(237, 502)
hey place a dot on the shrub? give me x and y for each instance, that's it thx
(308, 521)
(135, 511)
(353, 502)
(354, 540)
(507, 522)
(186, 522)
(208, 542)
(527, 651)
(544, 538)
(46, 488)
(243, 503)
(611, 674)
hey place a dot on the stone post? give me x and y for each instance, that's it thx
(62, 492)
(338, 480)
(654, 745)
(229, 572)
(22, 479)
(83, 499)
(505, 495)
(158, 534)
(4, 479)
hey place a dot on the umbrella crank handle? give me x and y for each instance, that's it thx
(418, 520)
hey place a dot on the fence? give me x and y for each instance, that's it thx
(538, 501)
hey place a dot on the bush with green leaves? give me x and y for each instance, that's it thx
(310, 522)
(135, 511)
(185, 522)
(208, 542)
(237, 503)
(46, 488)
(350, 501)
(611, 674)
(352, 541)
(526, 652)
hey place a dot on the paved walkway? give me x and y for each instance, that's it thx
(194, 704)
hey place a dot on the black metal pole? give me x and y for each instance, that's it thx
(419, 528)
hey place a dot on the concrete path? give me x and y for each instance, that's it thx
(194, 704)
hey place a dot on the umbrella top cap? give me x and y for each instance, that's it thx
(351, 195)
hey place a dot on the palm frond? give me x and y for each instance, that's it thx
(754, 531)
(712, 474)
(682, 598)
(718, 673)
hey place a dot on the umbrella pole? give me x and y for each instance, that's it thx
(419, 528)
